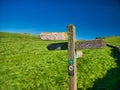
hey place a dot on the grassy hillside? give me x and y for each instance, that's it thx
(114, 40)
(26, 63)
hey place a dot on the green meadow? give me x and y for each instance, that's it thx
(27, 64)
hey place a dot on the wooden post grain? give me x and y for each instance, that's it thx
(72, 58)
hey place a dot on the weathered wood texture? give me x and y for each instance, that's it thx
(90, 44)
(54, 36)
(71, 53)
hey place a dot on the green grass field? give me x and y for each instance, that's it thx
(26, 64)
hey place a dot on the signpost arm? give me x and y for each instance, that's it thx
(72, 58)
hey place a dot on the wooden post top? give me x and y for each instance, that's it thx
(71, 27)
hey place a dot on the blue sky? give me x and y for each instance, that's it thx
(92, 18)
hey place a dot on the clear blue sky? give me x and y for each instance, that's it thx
(92, 18)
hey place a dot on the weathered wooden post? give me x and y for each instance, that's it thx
(72, 58)
(72, 54)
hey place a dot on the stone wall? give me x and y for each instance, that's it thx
(54, 36)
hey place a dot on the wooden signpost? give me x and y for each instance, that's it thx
(72, 45)
(72, 58)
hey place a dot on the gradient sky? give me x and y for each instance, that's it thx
(92, 18)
